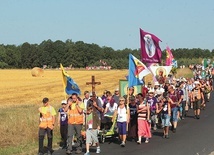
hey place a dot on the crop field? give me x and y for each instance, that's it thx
(21, 96)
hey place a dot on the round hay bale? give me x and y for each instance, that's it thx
(37, 72)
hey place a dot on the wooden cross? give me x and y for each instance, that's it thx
(93, 83)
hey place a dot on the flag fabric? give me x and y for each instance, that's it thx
(150, 49)
(205, 63)
(169, 57)
(137, 70)
(174, 63)
(69, 85)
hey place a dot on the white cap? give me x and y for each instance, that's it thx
(151, 91)
(64, 102)
(156, 83)
(196, 82)
(173, 87)
(117, 89)
(184, 79)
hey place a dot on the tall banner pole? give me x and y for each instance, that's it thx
(127, 104)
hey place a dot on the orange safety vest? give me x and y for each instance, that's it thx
(74, 117)
(46, 119)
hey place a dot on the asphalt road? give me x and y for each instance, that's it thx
(193, 137)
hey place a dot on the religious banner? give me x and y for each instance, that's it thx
(123, 87)
(150, 50)
(169, 57)
(160, 72)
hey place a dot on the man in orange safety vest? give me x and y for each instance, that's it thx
(46, 125)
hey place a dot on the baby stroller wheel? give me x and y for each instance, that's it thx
(103, 139)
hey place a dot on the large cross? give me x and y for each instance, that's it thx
(93, 83)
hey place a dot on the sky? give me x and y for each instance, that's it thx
(111, 23)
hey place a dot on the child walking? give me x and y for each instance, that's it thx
(92, 126)
(63, 123)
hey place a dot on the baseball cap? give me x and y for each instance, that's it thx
(156, 83)
(64, 102)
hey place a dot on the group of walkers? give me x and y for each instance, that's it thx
(159, 105)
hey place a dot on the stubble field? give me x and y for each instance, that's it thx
(21, 96)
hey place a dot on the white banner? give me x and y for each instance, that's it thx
(160, 70)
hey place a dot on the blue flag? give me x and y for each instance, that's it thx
(69, 85)
(137, 70)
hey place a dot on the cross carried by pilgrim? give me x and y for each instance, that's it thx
(93, 83)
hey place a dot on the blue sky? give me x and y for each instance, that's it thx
(112, 23)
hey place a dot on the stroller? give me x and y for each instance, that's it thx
(108, 133)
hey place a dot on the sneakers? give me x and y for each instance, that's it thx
(87, 153)
(198, 117)
(73, 143)
(195, 117)
(174, 130)
(155, 127)
(147, 140)
(138, 142)
(122, 144)
(98, 150)
(167, 136)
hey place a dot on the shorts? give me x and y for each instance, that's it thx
(121, 128)
(165, 118)
(196, 104)
(91, 135)
(174, 115)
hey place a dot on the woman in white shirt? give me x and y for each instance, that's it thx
(110, 108)
(122, 114)
(108, 113)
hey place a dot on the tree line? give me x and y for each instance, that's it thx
(80, 55)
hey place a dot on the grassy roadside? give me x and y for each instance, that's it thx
(30, 148)
(19, 130)
(19, 122)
